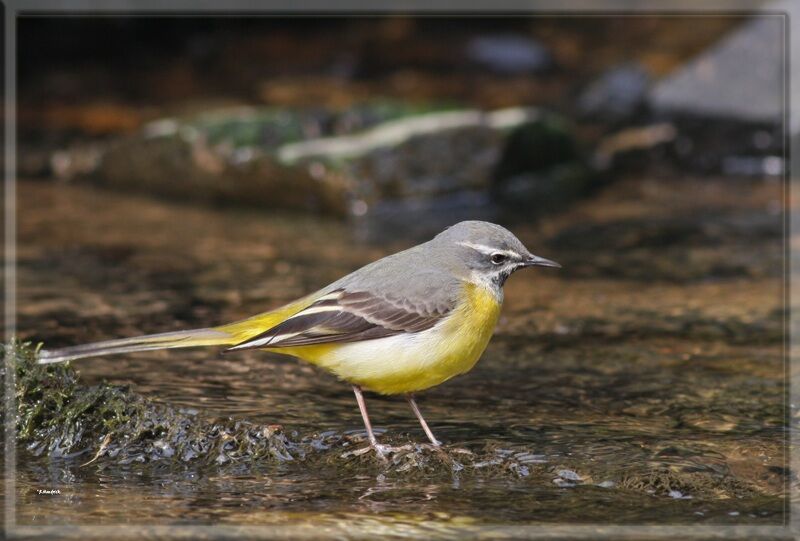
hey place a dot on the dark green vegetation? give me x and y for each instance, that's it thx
(59, 418)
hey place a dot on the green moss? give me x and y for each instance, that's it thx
(60, 418)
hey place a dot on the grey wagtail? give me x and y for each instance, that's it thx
(402, 324)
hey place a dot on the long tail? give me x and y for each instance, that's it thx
(226, 335)
(180, 339)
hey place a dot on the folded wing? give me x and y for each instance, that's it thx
(349, 316)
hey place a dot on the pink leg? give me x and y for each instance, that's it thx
(413, 404)
(363, 407)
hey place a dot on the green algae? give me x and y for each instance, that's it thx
(59, 418)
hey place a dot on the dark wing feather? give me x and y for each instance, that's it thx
(345, 316)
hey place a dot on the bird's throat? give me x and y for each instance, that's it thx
(492, 284)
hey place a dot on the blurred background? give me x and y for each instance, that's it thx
(186, 171)
(368, 119)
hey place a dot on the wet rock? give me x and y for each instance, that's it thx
(437, 166)
(350, 163)
(615, 95)
(715, 85)
(228, 156)
(59, 418)
(541, 168)
(427, 147)
(729, 118)
(180, 168)
(569, 475)
(567, 478)
(220, 158)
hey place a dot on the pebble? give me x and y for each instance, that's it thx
(678, 495)
(569, 475)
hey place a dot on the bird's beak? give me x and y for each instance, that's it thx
(536, 261)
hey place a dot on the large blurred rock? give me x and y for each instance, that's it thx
(741, 77)
(434, 167)
(444, 167)
(191, 169)
(230, 156)
(376, 165)
(728, 103)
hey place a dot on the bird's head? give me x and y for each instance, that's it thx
(488, 252)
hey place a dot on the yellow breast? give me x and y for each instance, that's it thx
(412, 362)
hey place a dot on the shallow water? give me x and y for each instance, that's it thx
(644, 384)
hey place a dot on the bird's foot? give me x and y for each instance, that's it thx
(383, 451)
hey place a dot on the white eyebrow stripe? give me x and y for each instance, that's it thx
(487, 250)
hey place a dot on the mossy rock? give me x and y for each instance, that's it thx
(542, 168)
(59, 418)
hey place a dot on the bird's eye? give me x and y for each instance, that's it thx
(499, 259)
